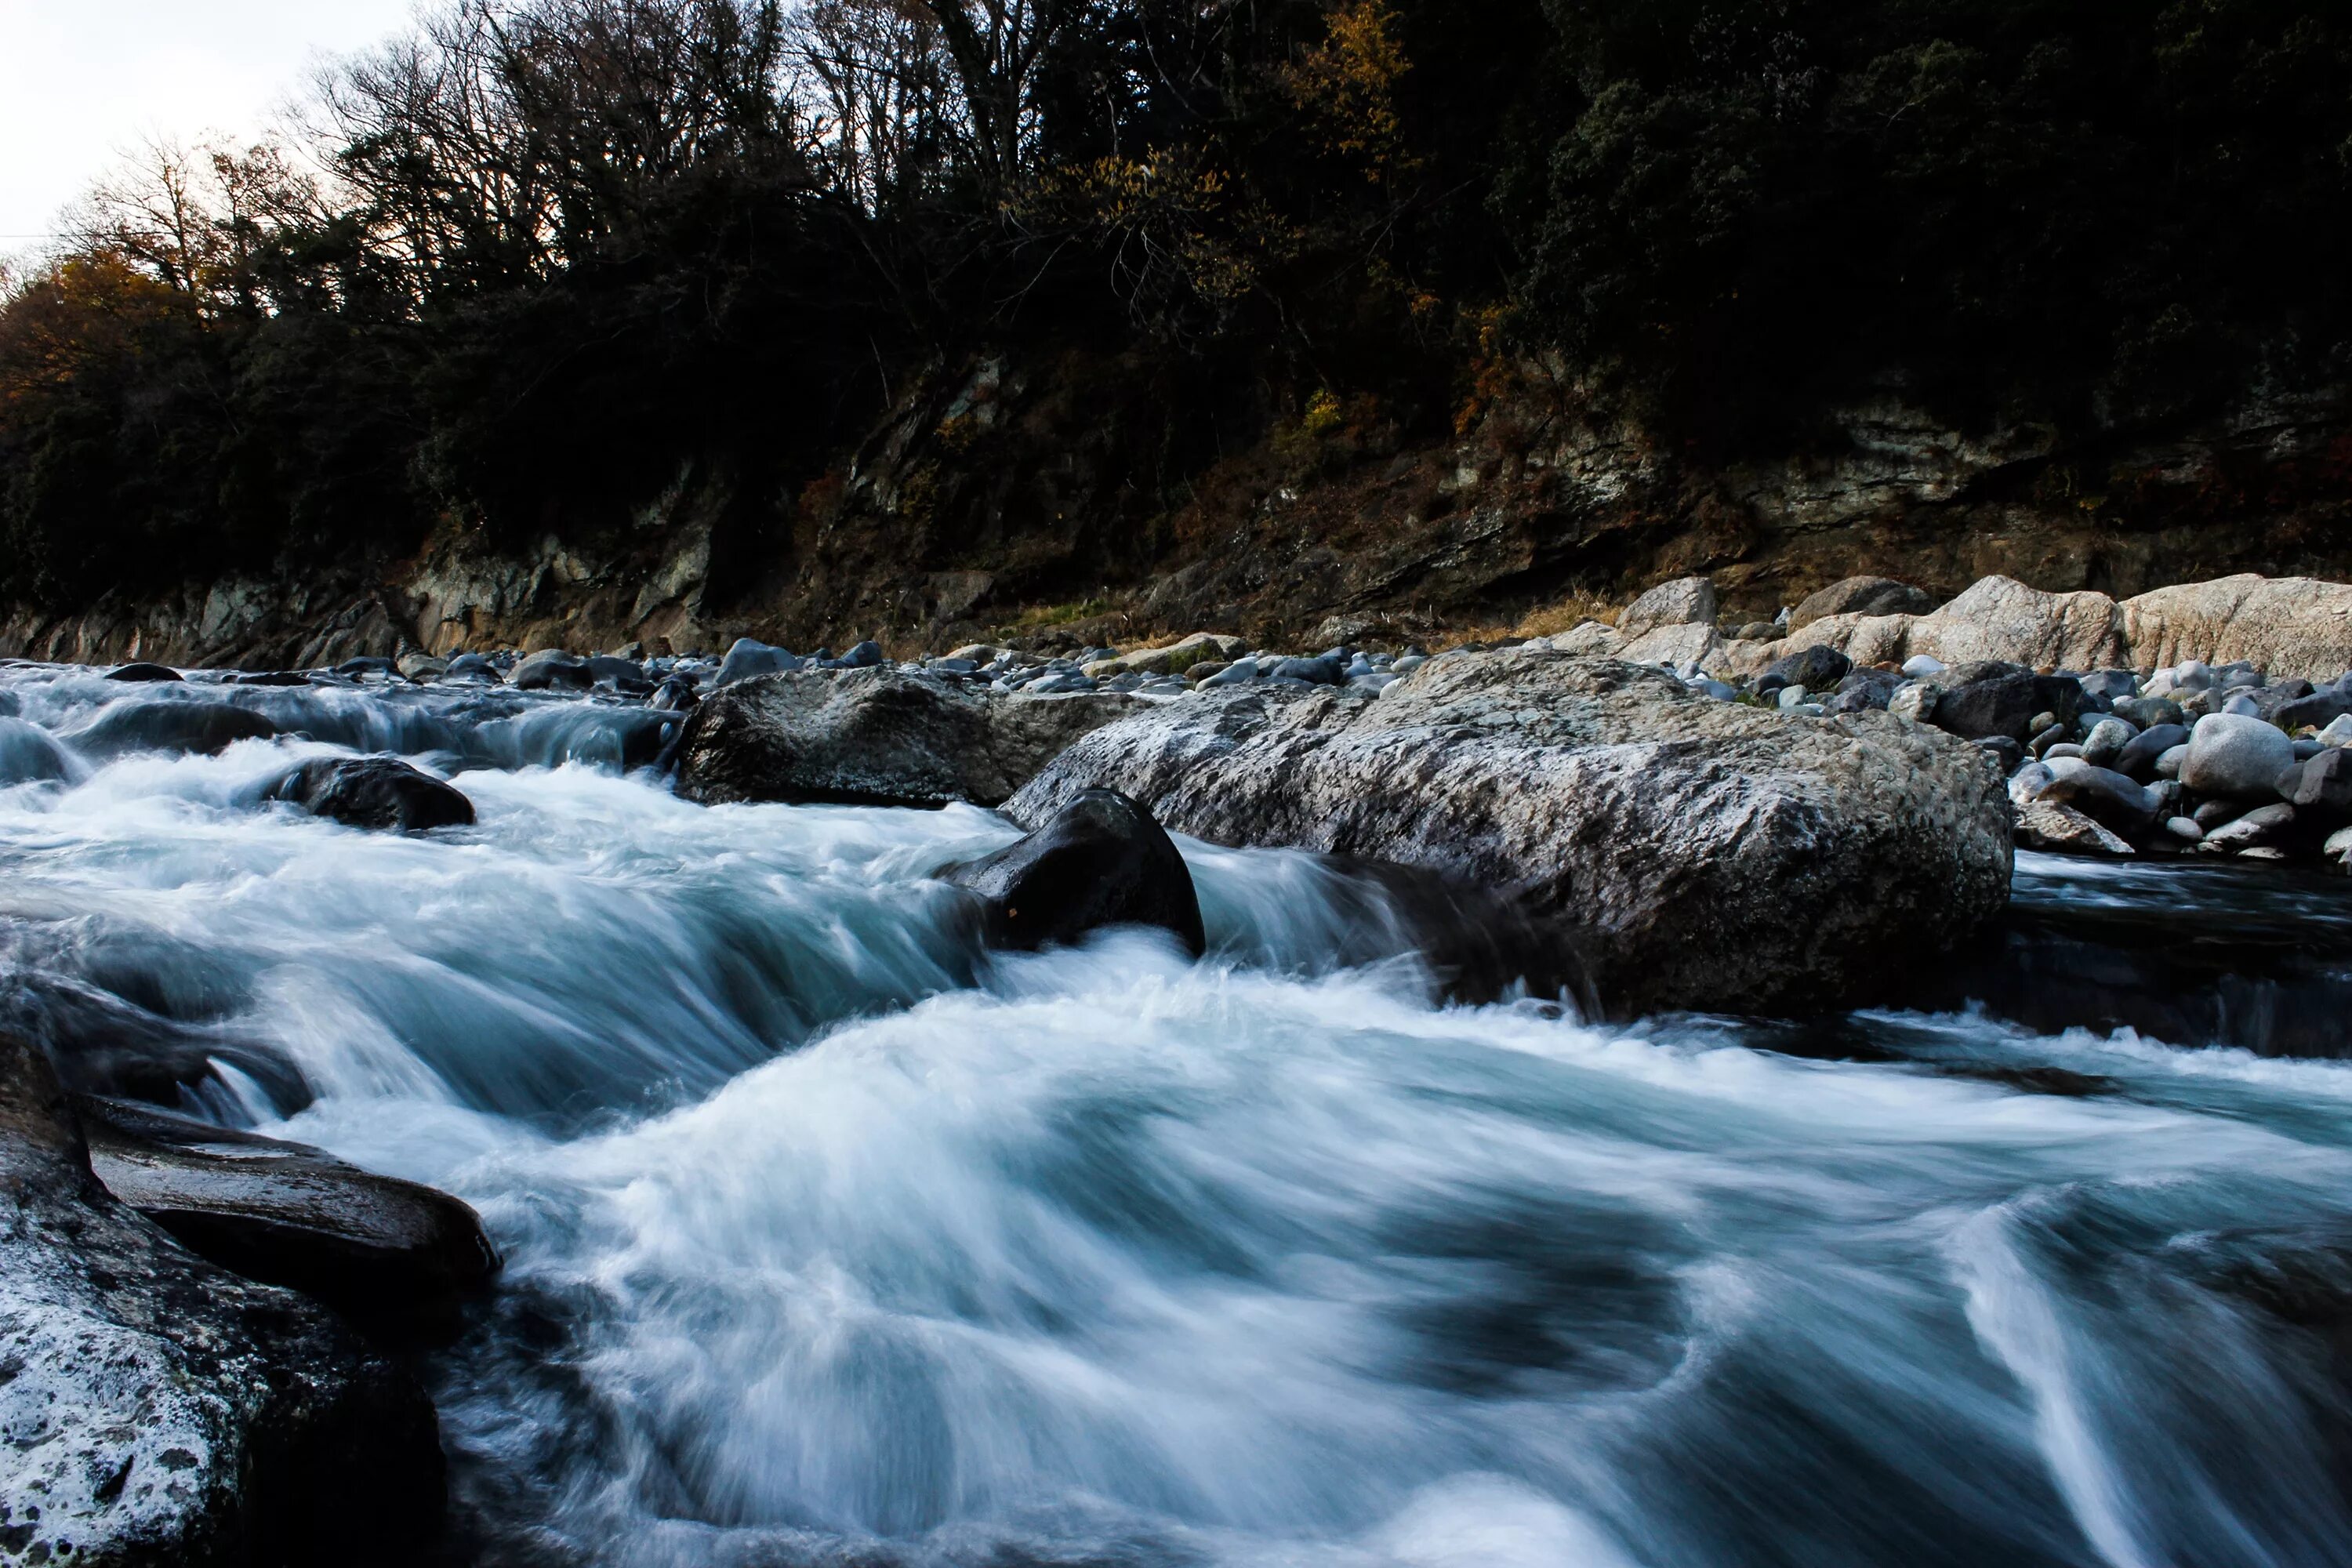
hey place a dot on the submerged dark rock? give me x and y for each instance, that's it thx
(375, 792)
(1100, 861)
(392, 1255)
(160, 1409)
(168, 726)
(144, 672)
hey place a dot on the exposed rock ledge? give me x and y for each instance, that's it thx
(1702, 854)
(2287, 626)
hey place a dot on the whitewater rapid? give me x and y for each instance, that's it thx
(831, 1240)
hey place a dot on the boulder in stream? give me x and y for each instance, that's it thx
(1100, 861)
(210, 728)
(878, 737)
(160, 1409)
(1702, 854)
(375, 792)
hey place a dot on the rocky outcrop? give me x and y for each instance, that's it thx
(158, 1409)
(1859, 596)
(396, 1256)
(1100, 861)
(1704, 854)
(877, 737)
(1682, 602)
(2289, 626)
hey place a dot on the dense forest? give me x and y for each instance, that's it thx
(515, 272)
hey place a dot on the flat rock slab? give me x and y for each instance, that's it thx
(386, 1253)
(158, 1409)
(1700, 854)
(878, 737)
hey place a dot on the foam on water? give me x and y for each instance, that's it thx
(830, 1240)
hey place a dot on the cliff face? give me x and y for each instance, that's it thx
(1099, 502)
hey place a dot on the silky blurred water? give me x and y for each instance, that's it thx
(831, 1240)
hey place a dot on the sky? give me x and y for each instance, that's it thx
(82, 81)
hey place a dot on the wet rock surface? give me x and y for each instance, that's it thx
(161, 1410)
(1100, 861)
(376, 792)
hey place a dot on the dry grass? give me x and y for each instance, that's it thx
(1545, 620)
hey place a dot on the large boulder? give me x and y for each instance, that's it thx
(553, 669)
(1100, 861)
(1685, 601)
(375, 792)
(1859, 596)
(878, 737)
(2285, 625)
(381, 1251)
(2235, 756)
(1701, 854)
(749, 657)
(158, 1409)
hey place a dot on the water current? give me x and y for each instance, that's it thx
(830, 1240)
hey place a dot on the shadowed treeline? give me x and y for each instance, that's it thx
(529, 267)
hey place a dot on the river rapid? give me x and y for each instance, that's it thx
(829, 1240)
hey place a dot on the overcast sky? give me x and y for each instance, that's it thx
(81, 78)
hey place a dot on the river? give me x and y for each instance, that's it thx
(829, 1240)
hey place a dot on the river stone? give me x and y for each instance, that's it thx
(158, 1408)
(2106, 797)
(2235, 758)
(144, 672)
(2138, 757)
(1100, 861)
(2106, 742)
(2320, 785)
(375, 792)
(2061, 829)
(2028, 783)
(2259, 827)
(2337, 851)
(2149, 712)
(209, 728)
(471, 667)
(1702, 854)
(383, 1252)
(878, 737)
(551, 667)
(1679, 603)
(2315, 710)
(1859, 596)
(1914, 700)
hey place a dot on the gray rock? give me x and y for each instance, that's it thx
(30, 754)
(2138, 758)
(2320, 785)
(879, 737)
(1924, 667)
(2106, 742)
(749, 657)
(2169, 763)
(471, 667)
(144, 672)
(1100, 861)
(1323, 670)
(2028, 782)
(1700, 853)
(2184, 828)
(1678, 603)
(2337, 851)
(2242, 706)
(158, 1409)
(1914, 700)
(1238, 673)
(2235, 757)
(2213, 814)
(2108, 798)
(1862, 596)
(2062, 830)
(2259, 827)
(2149, 712)
(2110, 685)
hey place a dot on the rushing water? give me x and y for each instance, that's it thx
(831, 1241)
